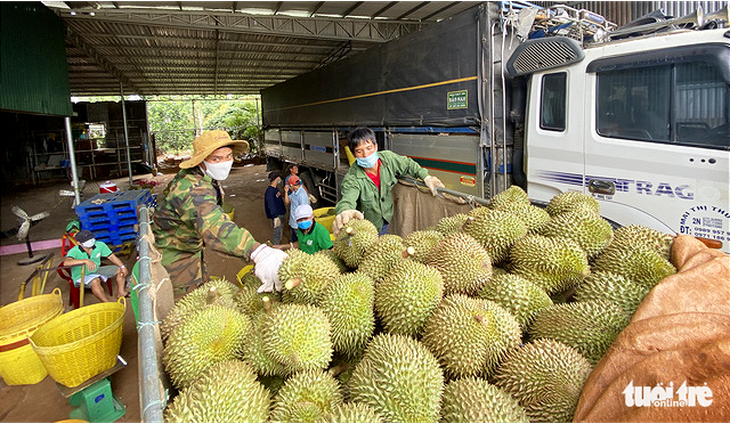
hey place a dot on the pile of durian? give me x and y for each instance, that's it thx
(498, 315)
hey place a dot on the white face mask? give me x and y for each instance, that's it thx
(218, 171)
(89, 243)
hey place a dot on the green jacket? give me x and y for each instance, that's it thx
(360, 193)
(190, 216)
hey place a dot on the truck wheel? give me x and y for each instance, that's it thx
(306, 178)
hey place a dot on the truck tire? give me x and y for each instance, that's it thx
(306, 178)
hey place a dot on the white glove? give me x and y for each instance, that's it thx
(268, 260)
(343, 217)
(312, 199)
(277, 222)
(433, 182)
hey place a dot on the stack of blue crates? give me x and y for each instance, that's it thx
(112, 217)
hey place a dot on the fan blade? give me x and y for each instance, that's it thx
(23, 230)
(19, 213)
(39, 216)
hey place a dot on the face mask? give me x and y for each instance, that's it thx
(218, 171)
(89, 243)
(304, 225)
(368, 162)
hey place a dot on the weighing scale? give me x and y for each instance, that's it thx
(93, 399)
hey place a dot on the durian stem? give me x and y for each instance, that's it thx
(482, 320)
(410, 251)
(350, 231)
(293, 283)
(338, 369)
(212, 295)
(266, 303)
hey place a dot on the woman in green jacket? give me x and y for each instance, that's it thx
(366, 187)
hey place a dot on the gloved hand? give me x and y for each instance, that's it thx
(433, 182)
(312, 199)
(277, 222)
(268, 260)
(343, 217)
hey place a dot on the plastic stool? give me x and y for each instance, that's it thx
(74, 292)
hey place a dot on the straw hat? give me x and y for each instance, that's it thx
(208, 142)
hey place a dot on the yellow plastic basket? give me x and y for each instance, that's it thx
(325, 216)
(82, 343)
(19, 364)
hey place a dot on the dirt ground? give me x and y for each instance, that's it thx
(43, 402)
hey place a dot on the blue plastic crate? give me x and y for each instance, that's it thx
(113, 202)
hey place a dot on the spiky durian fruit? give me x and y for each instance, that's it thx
(571, 200)
(308, 396)
(496, 230)
(463, 263)
(382, 256)
(227, 392)
(589, 327)
(451, 224)
(422, 242)
(660, 242)
(555, 264)
(353, 412)
(470, 336)
(214, 292)
(207, 337)
(407, 297)
(342, 367)
(250, 302)
(546, 377)
(611, 287)
(348, 305)
(636, 262)
(354, 240)
(298, 337)
(532, 216)
(399, 378)
(517, 295)
(513, 195)
(306, 276)
(336, 259)
(255, 353)
(588, 229)
(474, 400)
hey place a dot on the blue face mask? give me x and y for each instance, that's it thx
(368, 162)
(304, 225)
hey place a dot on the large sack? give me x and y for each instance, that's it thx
(416, 209)
(678, 339)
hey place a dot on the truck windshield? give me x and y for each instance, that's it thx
(682, 103)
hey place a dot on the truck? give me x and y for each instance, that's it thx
(551, 99)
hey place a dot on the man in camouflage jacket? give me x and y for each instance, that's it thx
(190, 217)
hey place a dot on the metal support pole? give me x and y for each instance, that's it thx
(126, 134)
(151, 397)
(72, 159)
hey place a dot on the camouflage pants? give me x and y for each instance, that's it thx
(187, 274)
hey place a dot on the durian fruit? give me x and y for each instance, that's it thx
(611, 287)
(382, 256)
(470, 336)
(342, 367)
(422, 242)
(571, 200)
(305, 397)
(451, 224)
(496, 230)
(214, 292)
(298, 337)
(555, 264)
(546, 377)
(254, 349)
(399, 378)
(513, 195)
(250, 302)
(532, 216)
(463, 263)
(637, 234)
(474, 400)
(517, 295)
(407, 297)
(348, 305)
(589, 327)
(352, 242)
(353, 412)
(336, 259)
(207, 337)
(636, 262)
(227, 392)
(306, 276)
(588, 229)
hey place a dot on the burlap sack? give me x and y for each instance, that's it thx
(416, 209)
(679, 338)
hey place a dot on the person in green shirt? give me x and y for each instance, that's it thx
(367, 185)
(88, 254)
(312, 236)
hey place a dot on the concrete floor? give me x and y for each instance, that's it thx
(43, 402)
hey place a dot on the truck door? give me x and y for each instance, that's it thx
(658, 145)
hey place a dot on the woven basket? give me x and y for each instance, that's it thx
(82, 343)
(18, 321)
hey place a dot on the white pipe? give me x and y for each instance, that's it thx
(72, 158)
(126, 134)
